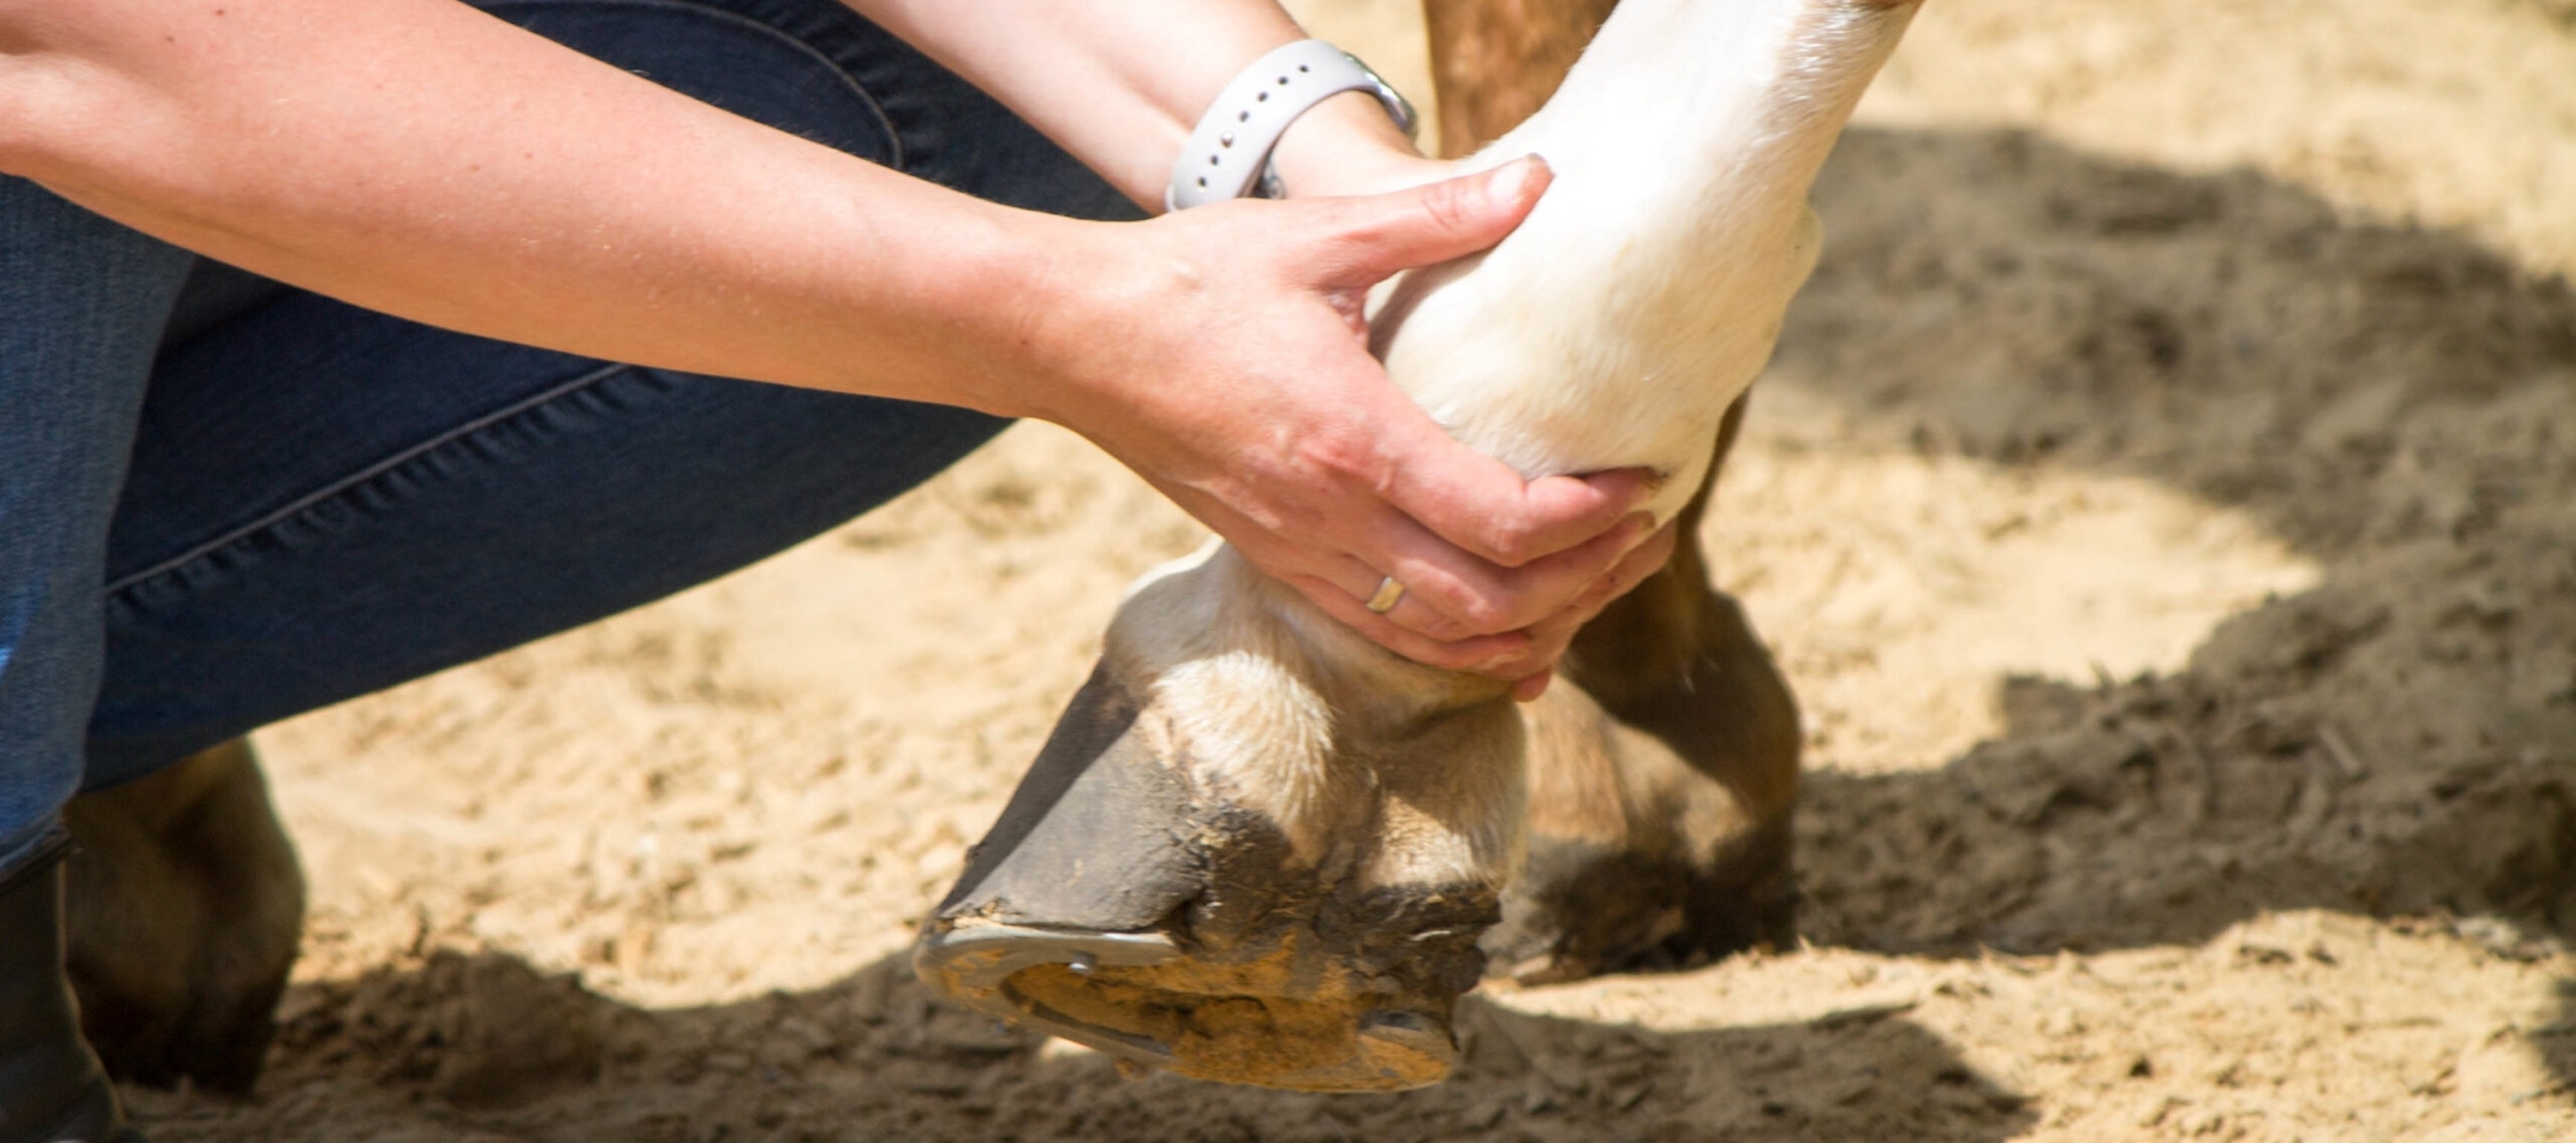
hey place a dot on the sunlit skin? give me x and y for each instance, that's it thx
(421, 158)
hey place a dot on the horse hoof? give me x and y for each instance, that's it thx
(1121, 904)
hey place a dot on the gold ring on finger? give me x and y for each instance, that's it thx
(1384, 599)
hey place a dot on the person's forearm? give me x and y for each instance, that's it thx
(1120, 85)
(419, 157)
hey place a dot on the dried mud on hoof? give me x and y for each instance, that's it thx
(1115, 906)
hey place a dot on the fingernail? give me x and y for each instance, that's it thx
(1640, 525)
(1500, 661)
(1509, 181)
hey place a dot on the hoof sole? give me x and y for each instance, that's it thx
(1138, 997)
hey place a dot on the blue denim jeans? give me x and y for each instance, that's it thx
(224, 501)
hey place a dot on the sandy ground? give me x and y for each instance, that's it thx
(2164, 503)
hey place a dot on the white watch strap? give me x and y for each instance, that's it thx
(1229, 153)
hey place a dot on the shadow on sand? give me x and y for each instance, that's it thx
(486, 1050)
(2397, 405)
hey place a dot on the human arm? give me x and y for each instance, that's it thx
(419, 157)
(422, 158)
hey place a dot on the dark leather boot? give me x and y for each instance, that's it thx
(52, 1089)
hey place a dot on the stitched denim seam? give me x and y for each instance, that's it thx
(306, 502)
(894, 140)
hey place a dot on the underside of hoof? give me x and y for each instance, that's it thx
(1271, 1020)
(1119, 905)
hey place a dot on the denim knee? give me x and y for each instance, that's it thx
(81, 308)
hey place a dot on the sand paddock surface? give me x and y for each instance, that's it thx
(2164, 502)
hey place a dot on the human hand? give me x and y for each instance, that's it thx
(1221, 354)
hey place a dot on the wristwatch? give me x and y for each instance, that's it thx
(1228, 156)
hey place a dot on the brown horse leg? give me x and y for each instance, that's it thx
(1493, 62)
(184, 905)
